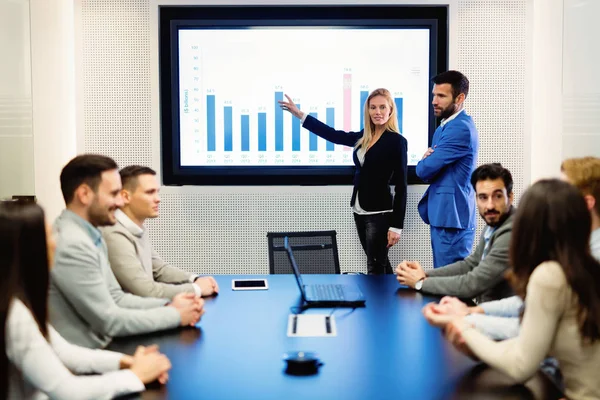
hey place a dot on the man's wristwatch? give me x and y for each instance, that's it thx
(419, 284)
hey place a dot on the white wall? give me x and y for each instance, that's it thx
(565, 93)
(545, 146)
(53, 88)
(580, 82)
(14, 44)
(16, 140)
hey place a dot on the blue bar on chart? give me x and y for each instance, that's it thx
(228, 128)
(245, 132)
(398, 101)
(278, 122)
(313, 142)
(296, 132)
(330, 120)
(262, 131)
(363, 99)
(210, 123)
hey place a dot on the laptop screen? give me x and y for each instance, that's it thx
(288, 249)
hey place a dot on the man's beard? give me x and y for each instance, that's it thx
(448, 111)
(99, 216)
(499, 221)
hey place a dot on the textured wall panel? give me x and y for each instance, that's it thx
(209, 231)
(116, 79)
(224, 233)
(492, 53)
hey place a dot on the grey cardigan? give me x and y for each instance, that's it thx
(86, 304)
(126, 253)
(473, 278)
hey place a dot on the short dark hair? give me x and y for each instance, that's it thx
(491, 172)
(130, 174)
(85, 168)
(459, 82)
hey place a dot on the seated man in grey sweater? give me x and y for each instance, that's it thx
(86, 304)
(138, 268)
(481, 275)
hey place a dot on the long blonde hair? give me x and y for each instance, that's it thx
(391, 124)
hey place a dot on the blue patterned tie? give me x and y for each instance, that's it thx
(486, 237)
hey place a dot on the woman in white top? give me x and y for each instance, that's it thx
(35, 361)
(555, 274)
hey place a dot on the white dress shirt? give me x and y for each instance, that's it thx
(450, 118)
(40, 369)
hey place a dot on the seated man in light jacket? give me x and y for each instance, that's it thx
(480, 276)
(86, 304)
(138, 268)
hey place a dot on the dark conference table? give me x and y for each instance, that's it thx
(385, 350)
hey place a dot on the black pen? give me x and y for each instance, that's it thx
(327, 324)
(294, 324)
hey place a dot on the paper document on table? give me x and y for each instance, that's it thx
(311, 325)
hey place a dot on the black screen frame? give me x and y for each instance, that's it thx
(171, 18)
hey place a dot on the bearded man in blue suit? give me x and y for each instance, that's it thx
(448, 205)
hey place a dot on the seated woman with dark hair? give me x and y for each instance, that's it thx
(35, 361)
(555, 274)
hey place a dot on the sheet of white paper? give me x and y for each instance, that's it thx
(311, 325)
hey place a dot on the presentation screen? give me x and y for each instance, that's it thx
(222, 123)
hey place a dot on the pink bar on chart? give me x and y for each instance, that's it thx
(347, 104)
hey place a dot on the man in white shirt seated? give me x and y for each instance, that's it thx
(138, 268)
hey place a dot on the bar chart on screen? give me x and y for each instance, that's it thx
(230, 112)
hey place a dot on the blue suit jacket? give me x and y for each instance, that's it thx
(449, 202)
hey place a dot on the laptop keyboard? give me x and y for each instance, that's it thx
(328, 292)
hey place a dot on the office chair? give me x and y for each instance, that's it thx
(315, 252)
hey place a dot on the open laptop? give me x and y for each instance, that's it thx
(324, 295)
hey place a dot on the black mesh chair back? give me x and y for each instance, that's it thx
(315, 252)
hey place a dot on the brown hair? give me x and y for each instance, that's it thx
(584, 173)
(552, 223)
(459, 82)
(130, 174)
(86, 168)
